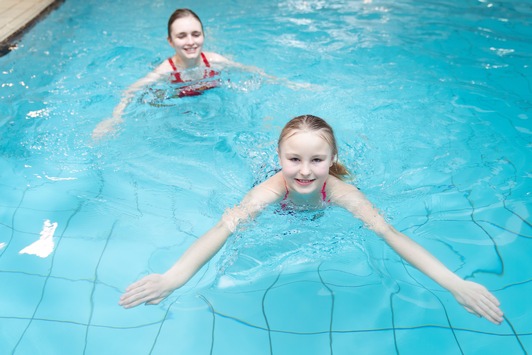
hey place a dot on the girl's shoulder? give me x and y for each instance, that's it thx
(275, 184)
(164, 67)
(334, 183)
(338, 190)
(271, 190)
(215, 57)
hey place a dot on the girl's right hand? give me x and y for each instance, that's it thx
(151, 289)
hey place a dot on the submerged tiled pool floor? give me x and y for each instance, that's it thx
(61, 305)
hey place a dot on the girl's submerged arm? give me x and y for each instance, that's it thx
(153, 288)
(221, 60)
(108, 125)
(474, 297)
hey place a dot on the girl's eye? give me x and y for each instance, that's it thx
(294, 159)
(317, 160)
(197, 34)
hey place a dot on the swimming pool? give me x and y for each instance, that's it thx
(431, 105)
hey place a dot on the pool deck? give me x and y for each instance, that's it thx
(18, 15)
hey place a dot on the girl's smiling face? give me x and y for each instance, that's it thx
(305, 159)
(186, 37)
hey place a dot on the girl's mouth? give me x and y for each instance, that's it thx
(304, 182)
(190, 49)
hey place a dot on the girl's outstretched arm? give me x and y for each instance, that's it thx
(474, 297)
(153, 288)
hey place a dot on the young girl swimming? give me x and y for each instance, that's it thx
(310, 178)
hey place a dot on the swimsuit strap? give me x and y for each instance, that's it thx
(205, 60)
(286, 188)
(175, 74)
(323, 192)
(172, 64)
(207, 73)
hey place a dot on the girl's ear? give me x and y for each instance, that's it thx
(279, 160)
(333, 160)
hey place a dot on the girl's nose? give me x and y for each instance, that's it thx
(305, 170)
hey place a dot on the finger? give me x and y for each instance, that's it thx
(137, 284)
(490, 311)
(133, 291)
(493, 299)
(134, 299)
(494, 308)
(470, 310)
(495, 320)
(133, 302)
(494, 315)
(155, 301)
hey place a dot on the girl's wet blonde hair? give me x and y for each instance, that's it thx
(310, 123)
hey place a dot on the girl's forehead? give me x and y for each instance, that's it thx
(306, 134)
(186, 23)
(306, 138)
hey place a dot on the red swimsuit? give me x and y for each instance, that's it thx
(194, 89)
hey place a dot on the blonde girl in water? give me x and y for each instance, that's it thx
(310, 178)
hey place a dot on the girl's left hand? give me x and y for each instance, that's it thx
(477, 300)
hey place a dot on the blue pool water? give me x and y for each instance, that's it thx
(431, 105)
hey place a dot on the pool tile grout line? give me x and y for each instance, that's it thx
(96, 278)
(331, 320)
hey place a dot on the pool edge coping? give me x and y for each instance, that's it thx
(10, 42)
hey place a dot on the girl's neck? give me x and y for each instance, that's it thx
(310, 199)
(186, 64)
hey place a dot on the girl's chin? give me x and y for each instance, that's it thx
(305, 188)
(191, 55)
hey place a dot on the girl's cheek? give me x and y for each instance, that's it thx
(323, 168)
(291, 169)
